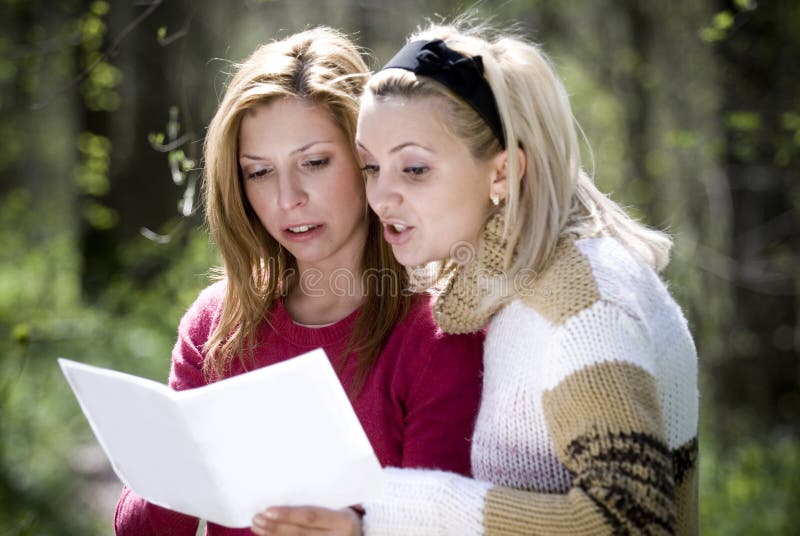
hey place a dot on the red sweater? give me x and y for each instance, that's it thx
(417, 407)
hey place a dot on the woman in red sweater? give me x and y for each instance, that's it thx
(305, 266)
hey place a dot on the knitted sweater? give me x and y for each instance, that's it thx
(588, 420)
(417, 407)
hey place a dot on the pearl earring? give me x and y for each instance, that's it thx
(495, 199)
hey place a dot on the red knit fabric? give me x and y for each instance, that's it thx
(417, 407)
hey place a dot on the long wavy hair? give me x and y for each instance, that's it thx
(322, 66)
(554, 196)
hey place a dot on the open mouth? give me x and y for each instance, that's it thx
(300, 229)
(396, 233)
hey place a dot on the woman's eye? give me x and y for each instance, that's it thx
(259, 173)
(316, 163)
(371, 170)
(416, 170)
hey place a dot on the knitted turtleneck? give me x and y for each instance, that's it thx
(589, 411)
(461, 308)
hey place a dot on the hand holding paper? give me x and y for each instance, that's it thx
(281, 435)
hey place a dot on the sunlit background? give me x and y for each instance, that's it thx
(691, 109)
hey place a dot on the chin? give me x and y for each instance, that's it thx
(410, 259)
(403, 257)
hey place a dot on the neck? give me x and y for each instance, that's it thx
(325, 296)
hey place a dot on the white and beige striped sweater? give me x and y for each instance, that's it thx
(588, 422)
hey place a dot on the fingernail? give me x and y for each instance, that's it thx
(271, 514)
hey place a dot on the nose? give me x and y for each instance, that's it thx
(382, 195)
(291, 193)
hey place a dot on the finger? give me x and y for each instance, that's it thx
(265, 527)
(261, 524)
(302, 516)
(271, 528)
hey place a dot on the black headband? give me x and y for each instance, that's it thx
(463, 75)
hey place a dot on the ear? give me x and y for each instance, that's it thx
(499, 186)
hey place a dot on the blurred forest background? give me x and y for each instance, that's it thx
(692, 109)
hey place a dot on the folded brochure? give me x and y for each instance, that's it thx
(285, 434)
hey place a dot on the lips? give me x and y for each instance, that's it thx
(396, 233)
(302, 232)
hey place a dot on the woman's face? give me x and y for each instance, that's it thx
(431, 195)
(302, 180)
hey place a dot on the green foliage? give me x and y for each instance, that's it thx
(44, 439)
(102, 78)
(38, 300)
(91, 175)
(723, 21)
(751, 488)
(718, 28)
(788, 143)
(92, 172)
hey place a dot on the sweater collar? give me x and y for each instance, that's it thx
(460, 307)
(310, 337)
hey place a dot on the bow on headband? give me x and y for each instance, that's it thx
(463, 75)
(436, 59)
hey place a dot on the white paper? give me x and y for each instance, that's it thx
(285, 434)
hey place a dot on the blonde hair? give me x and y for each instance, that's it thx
(324, 67)
(555, 196)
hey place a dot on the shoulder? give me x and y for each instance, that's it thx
(418, 334)
(211, 296)
(204, 311)
(611, 262)
(420, 322)
(566, 286)
(587, 271)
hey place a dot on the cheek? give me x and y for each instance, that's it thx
(349, 190)
(259, 202)
(252, 196)
(458, 216)
(370, 192)
(473, 217)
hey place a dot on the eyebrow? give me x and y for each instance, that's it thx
(399, 147)
(305, 147)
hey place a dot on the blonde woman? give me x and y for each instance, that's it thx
(305, 266)
(588, 419)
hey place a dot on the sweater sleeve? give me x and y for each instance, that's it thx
(186, 371)
(604, 419)
(137, 517)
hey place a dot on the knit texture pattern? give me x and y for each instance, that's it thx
(589, 412)
(460, 308)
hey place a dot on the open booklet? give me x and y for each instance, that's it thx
(285, 434)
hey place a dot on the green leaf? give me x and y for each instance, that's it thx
(723, 20)
(100, 216)
(21, 333)
(744, 121)
(99, 8)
